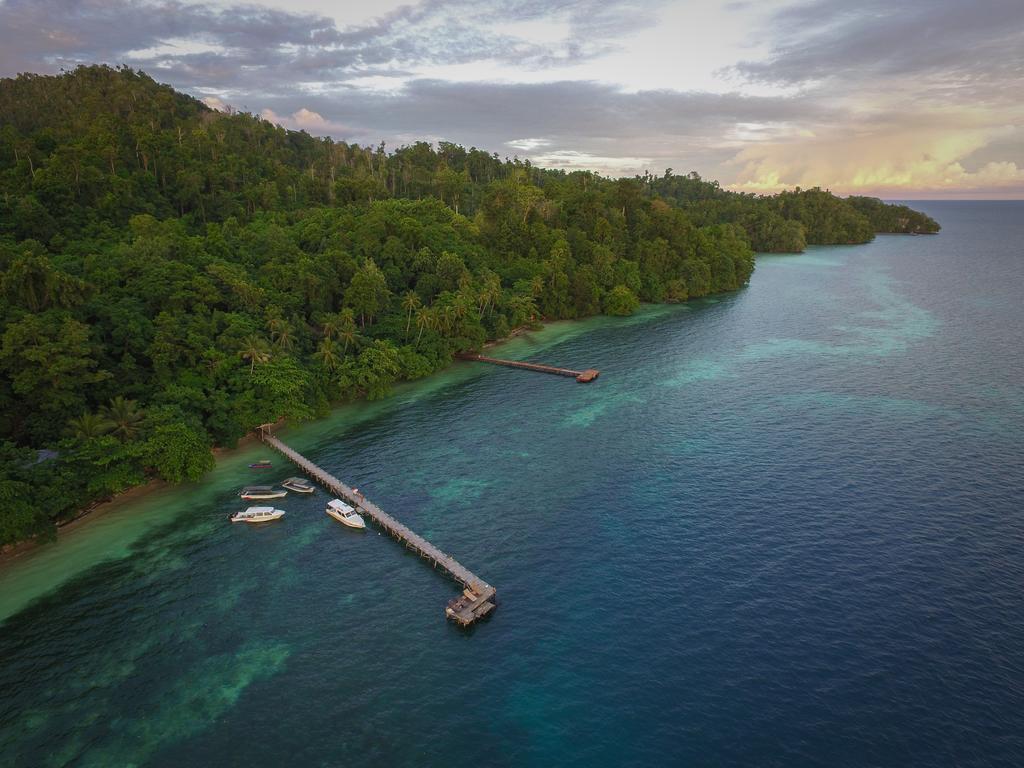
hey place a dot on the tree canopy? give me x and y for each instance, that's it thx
(172, 276)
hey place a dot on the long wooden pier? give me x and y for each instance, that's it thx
(478, 597)
(583, 377)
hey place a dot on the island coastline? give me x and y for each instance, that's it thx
(10, 553)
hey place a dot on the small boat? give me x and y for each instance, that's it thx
(298, 484)
(344, 514)
(261, 493)
(257, 515)
(261, 464)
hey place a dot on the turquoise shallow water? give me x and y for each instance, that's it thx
(783, 528)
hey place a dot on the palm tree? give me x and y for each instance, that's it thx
(88, 426)
(124, 416)
(34, 280)
(537, 286)
(328, 355)
(274, 324)
(347, 328)
(464, 301)
(448, 315)
(410, 303)
(329, 326)
(284, 335)
(489, 293)
(349, 336)
(424, 319)
(254, 349)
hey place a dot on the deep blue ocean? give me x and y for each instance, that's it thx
(784, 528)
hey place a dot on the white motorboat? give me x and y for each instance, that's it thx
(257, 515)
(344, 514)
(298, 484)
(261, 493)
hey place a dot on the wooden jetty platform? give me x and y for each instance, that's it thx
(478, 597)
(583, 377)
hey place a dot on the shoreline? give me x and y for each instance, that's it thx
(12, 552)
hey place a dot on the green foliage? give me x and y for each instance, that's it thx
(284, 386)
(124, 417)
(106, 464)
(620, 301)
(22, 516)
(789, 221)
(893, 219)
(172, 276)
(367, 293)
(50, 365)
(177, 452)
(376, 369)
(38, 489)
(89, 426)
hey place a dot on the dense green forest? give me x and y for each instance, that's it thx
(172, 276)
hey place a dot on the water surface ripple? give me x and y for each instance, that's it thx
(784, 528)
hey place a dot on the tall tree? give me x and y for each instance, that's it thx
(368, 292)
(410, 303)
(254, 349)
(125, 416)
(89, 425)
(328, 354)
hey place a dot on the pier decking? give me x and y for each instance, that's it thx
(478, 597)
(583, 377)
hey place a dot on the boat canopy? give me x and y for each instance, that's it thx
(258, 511)
(297, 481)
(257, 488)
(340, 506)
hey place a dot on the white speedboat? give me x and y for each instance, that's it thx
(261, 493)
(344, 514)
(257, 515)
(298, 484)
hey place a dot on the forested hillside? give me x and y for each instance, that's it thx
(172, 276)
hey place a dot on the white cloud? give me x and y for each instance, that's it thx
(527, 145)
(308, 119)
(758, 95)
(344, 12)
(179, 46)
(380, 83)
(305, 120)
(895, 160)
(215, 102)
(573, 160)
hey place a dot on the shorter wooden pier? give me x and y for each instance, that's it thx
(583, 377)
(478, 597)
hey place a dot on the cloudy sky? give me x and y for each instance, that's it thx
(916, 98)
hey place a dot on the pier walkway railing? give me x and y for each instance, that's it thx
(583, 377)
(478, 597)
